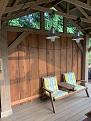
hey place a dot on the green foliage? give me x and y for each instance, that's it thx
(33, 21)
(56, 22)
(28, 21)
(72, 29)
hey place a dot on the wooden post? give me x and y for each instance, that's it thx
(42, 21)
(85, 59)
(65, 25)
(6, 109)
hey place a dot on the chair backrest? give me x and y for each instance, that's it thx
(70, 78)
(50, 83)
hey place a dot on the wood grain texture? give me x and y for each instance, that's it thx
(14, 75)
(74, 65)
(69, 55)
(37, 57)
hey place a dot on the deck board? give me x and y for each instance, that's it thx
(72, 108)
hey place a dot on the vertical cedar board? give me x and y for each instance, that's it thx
(69, 54)
(34, 71)
(50, 62)
(57, 64)
(79, 65)
(24, 74)
(63, 54)
(14, 75)
(74, 59)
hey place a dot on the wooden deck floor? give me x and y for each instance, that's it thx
(72, 108)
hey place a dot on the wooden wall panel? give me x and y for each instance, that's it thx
(63, 54)
(24, 70)
(34, 75)
(69, 55)
(50, 45)
(42, 62)
(57, 64)
(50, 62)
(63, 61)
(37, 57)
(33, 40)
(14, 75)
(79, 65)
(42, 42)
(74, 65)
(11, 36)
(57, 44)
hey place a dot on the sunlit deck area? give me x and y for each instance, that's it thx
(72, 108)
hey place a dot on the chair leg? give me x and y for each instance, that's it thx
(52, 103)
(87, 92)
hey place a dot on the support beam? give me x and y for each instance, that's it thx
(29, 11)
(42, 21)
(3, 5)
(27, 5)
(83, 12)
(86, 28)
(36, 31)
(64, 25)
(18, 40)
(43, 9)
(79, 3)
(88, 2)
(68, 5)
(85, 59)
(73, 9)
(76, 25)
(6, 109)
(80, 47)
(73, 22)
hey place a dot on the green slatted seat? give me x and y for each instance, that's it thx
(50, 83)
(70, 78)
(51, 89)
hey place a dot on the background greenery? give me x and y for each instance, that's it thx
(33, 21)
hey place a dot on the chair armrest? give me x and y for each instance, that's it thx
(81, 82)
(48, 90)
(66, 86)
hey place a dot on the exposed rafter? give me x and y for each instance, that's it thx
(26, 5)
(86, 28)
(18, 40)
(88, 2)
(3, 5)
(43, 9)
(72, 21)
(35, 31)
(19, 14)
(83, 12)
(73, 9)
(79, 3)
(80, 47)
(76, 25)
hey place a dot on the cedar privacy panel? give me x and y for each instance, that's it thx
(36, 57)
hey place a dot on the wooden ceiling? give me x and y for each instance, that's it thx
(70, 9)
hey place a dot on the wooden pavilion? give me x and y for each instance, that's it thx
(26, 55)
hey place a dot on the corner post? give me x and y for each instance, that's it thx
(6, 109)
(85, 58)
